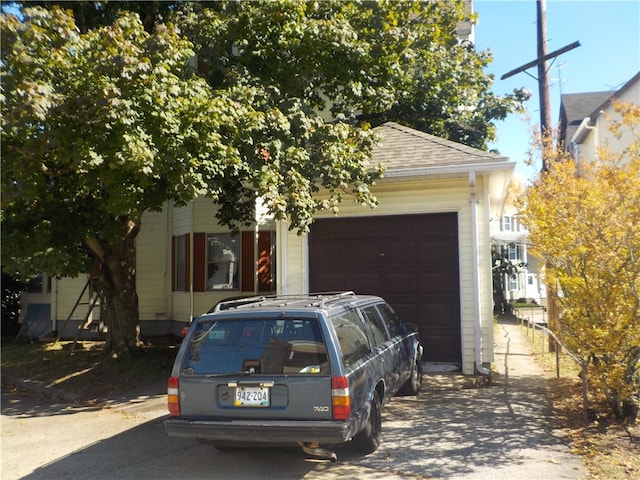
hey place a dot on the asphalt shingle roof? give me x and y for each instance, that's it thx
(405, 148)
(576, 106)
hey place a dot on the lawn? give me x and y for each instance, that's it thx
(85, 374)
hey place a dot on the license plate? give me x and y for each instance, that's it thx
(252, 397)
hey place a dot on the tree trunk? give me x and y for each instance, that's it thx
(120, 299)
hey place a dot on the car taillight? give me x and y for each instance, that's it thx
(173, 397)
(340, 399)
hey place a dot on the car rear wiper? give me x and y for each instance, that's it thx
(241, 373)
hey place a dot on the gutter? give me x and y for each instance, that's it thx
(460, 170)
(581, 132)
(477, 307)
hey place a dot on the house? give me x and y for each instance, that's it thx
(426, 249)
(511, 239)
(585, 119)
(583, 128)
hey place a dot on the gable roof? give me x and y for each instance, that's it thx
(574, 107)
(412, 152)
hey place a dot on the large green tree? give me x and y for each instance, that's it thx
(103, 119)
(98, 128)
(373, 61)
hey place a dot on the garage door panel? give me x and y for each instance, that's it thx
(399, 283)
(411, 260)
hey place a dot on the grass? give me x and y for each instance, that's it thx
(84, 374)
(610, 451)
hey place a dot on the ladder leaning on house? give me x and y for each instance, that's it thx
(95, 296)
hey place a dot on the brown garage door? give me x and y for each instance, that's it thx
(410, 260)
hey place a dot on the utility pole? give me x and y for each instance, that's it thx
(543, 71)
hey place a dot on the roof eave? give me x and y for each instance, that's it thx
(448, 171)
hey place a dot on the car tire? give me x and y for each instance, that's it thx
(367, 440)
(414, 384)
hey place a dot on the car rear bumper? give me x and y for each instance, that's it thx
(261, 432)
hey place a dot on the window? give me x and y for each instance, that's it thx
(506, 224)
(269, 346)
(224, 261)
(351, 336)
(513, 282)
(374, 322)
(390, 319)
(223, 255)
(514, 252)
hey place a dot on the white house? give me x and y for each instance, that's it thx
(585, 120)
(511, 238)
(426, 249)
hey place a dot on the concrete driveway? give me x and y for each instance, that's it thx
(452, 430)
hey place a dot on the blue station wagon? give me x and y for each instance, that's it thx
(309, 370)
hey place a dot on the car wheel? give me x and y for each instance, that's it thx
(368, 440)
(414, 384)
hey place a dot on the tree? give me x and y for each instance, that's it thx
(103, 120)
(584, 220)
(373, 61)
(100, 127)
(502, 269)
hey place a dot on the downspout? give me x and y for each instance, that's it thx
(477, 307)
(283, 272)
(580, 133)
(191, 256)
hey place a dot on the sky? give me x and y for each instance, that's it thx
(608, 57)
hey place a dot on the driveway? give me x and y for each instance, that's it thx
(452, 430)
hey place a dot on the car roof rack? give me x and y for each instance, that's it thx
(317, 299)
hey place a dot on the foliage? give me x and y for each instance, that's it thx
(501, 269)
(584, 220)
(373, 61)
(10, 304)
(104, 117)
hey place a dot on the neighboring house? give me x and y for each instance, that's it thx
(426, 249)
(511, 238)
(584, 124)
(585, 119)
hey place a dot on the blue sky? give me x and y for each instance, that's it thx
(609, 55)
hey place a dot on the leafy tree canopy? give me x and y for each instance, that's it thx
(373, 61)
(105, 115)
(99, 127)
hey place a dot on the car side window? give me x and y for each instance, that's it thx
(353, 341)
(394, 325)
(375, 324)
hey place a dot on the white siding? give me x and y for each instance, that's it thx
(65, 292)
(153, 266)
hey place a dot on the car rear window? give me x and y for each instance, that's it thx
(269, 346)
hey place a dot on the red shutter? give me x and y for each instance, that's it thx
(265, 279)
(199, 262)
(248, 262)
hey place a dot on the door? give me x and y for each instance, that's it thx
(410, 260)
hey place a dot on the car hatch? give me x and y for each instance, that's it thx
(256, 368)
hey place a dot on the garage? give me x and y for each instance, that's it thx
(411, 260)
